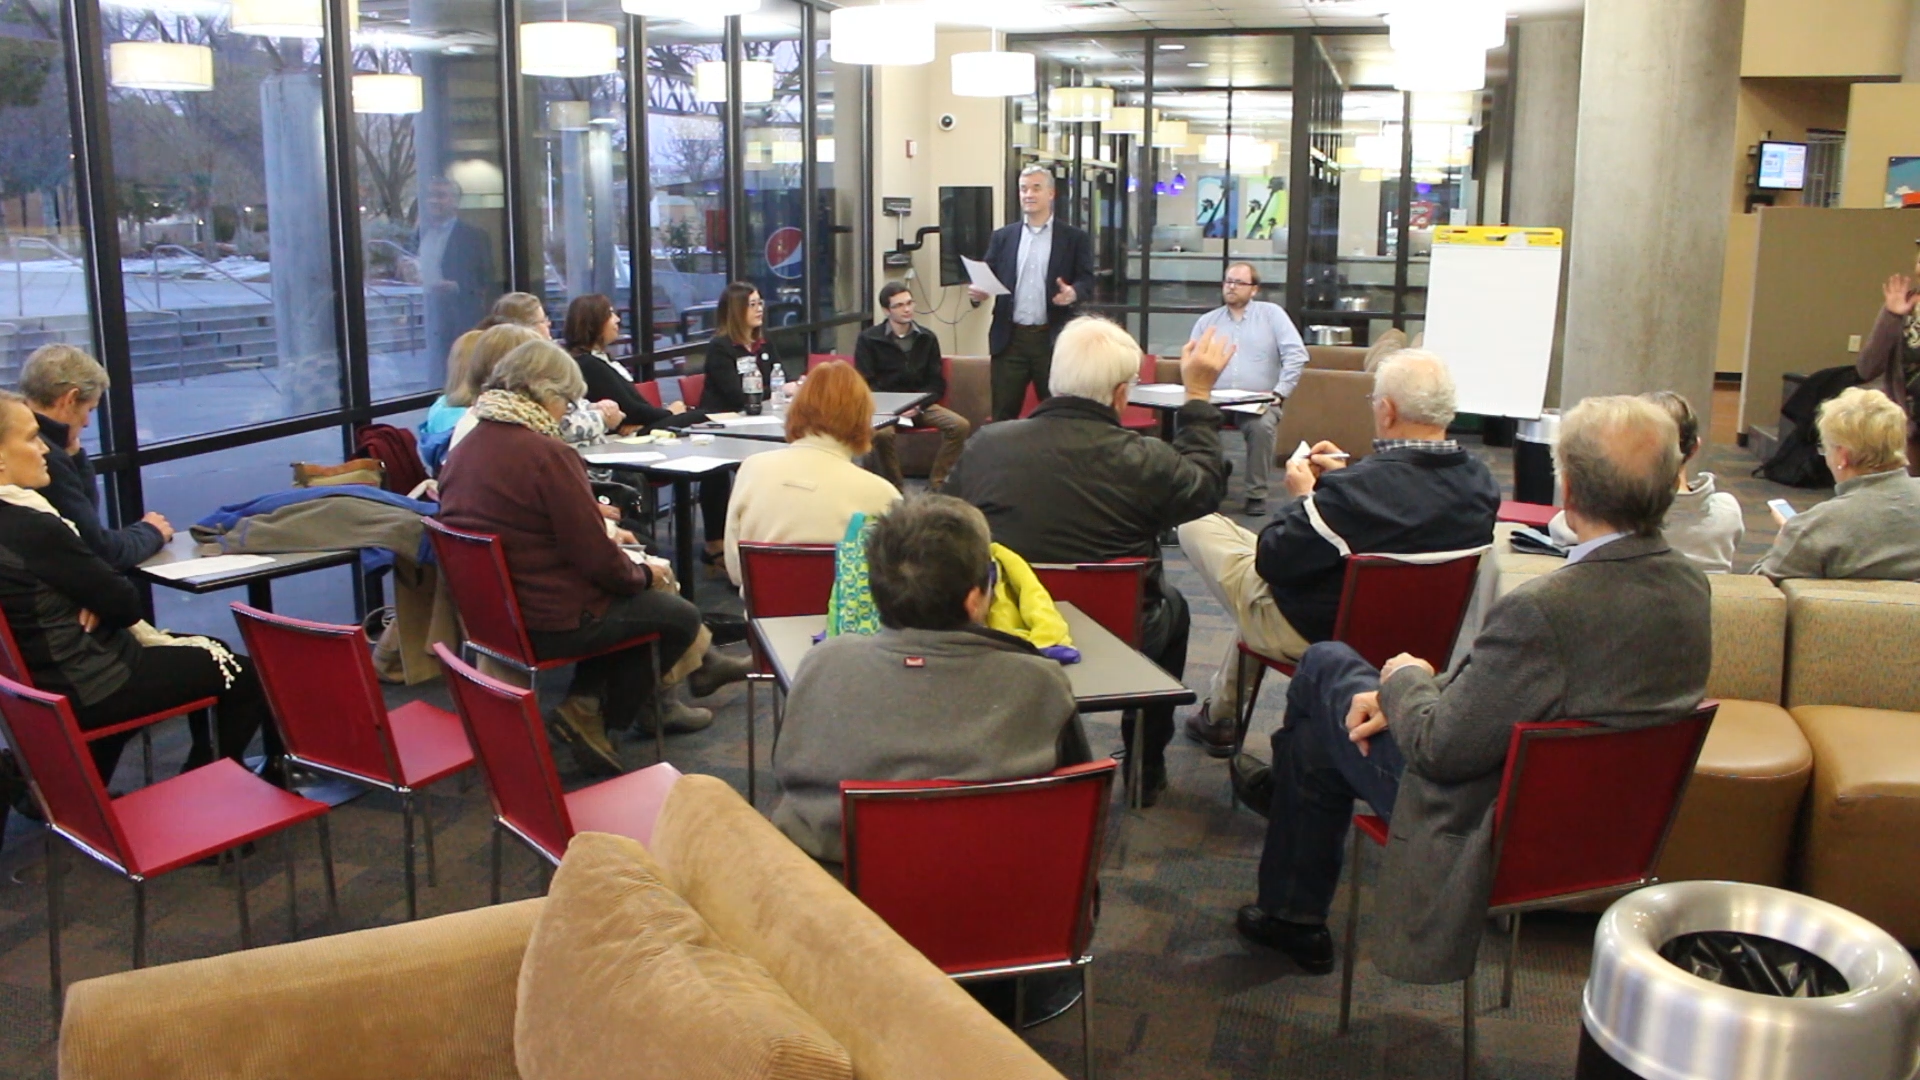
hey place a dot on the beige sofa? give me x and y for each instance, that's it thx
(434, 1000)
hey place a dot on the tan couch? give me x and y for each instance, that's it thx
(1861, 846)
(1851, 643)
(435, 999)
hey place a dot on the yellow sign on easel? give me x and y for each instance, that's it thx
(1496, 236)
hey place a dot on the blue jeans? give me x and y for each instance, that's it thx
(1317, 774)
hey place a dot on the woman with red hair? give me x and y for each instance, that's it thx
(808, 492)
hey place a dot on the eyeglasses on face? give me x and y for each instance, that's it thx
(900, 305)
(1233, 284)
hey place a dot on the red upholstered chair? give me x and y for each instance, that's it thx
(986, 880)
(14, 666)
(1389, 604)
(649, 392)
(1523, 513)
(319, 680)
(503, 723)
(692, 389)
(476, 570)
(777, 580)
(1111, 594)
(1583, 812)
(150, 831)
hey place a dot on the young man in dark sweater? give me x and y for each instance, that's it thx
(1419, 492)
(901, 356)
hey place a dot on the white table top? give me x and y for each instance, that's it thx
(183, 547)
(1173, 395)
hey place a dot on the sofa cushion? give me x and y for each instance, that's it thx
(1749, 638)
(1851, 643)
(622, 977)
(1737, 818)
(1861, 846)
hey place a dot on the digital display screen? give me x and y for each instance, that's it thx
(1783, 166)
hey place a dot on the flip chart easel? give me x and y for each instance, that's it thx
(1493, 295)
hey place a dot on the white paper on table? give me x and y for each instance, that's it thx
(695, 463)
(1239, 395)
(1160, 386)
(206, 567)
(625, 457)
(1258, 409)
(747, 421)
(983, 277)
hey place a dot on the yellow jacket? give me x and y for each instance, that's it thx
(1021, 606)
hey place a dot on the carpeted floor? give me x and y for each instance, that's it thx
(1178, 994)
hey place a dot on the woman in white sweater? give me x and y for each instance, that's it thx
(1703, 524)
(808, 492)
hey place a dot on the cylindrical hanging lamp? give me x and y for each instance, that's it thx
(689, 9)
(896, 35)
(993, 74)
(1080, 104)
(1169, 134)
(568, 50)
(285, 18)
(756, 81)
(160, 65)
(393, 95)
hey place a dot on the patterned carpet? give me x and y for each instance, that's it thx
(1177, 993)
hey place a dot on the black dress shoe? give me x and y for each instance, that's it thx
(1307, 944)
(1252, 783)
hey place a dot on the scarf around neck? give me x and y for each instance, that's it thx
(507, 407)
(16, 495)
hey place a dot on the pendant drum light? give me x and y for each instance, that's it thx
(686, 10)
(392, 95)
(568, 50)
(1169, 134)
(993, 74)
(160, 65)
(881, 34)
(756, 81)
(1080, 104)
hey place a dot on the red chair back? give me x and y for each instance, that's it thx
(649, 392)
(777, 580)
(692, 388)
(510, 745)
(981, 877)
(12, 664)
(1109, 593)
(320, 683)
(1390, 606)
(46, 739)
(476, 570)
(1584, 808)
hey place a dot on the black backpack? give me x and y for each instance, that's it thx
(1797, 462)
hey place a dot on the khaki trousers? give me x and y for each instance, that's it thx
(1223, 554)
(953, 429)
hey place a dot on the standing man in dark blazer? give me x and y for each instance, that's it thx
(455, 264)
(1620, 636)
(1048, 266)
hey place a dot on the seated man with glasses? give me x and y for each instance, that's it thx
(935, 695)
(1418, 492)
(1268, 356)
(901, 356)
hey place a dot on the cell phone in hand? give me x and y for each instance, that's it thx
(1782, 507)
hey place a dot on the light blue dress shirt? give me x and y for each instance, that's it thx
(1268, 353)
(1581, 551)
(1030, 286)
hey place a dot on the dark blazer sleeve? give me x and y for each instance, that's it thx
(1194, 477)
(723, 393)
(1078, 268)
(71, 493)
(1291, 549)
(605, 384)
(935, 382)
(70, 568)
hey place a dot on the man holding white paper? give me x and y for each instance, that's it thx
(1046, 266)
(1268, 356)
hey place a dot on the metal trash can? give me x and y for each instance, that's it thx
(1533, 443)
(1841, 998)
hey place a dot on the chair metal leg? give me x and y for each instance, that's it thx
(53, 920)
(752, 757)
(1137, 757)
(326, 867)
(1351, 946)
(293, 887)
(659, 707)
(139, 923)
(146, 753)
(406, 827)
(1019, 1003)
(493, 897)
(1466, 1028)
(426, 827)
(1506, 976)
(1086, 1019)
(240, 894)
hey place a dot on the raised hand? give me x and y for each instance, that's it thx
(1898, 291)
(1201, 362)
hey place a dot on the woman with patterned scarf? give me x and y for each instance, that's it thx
(78, 622)
(578, 590)
(1892, 354)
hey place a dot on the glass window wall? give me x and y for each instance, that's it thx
(773, 99)
(687, 176)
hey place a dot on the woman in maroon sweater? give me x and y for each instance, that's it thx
(578, 590)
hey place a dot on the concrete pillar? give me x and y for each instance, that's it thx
(292, 131)
(1659, 81)
(1546, 116)
(1910, 70)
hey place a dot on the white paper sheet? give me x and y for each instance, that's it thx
(695, 464)
(748, 421)
(983, 277)
(1301, 452)
(625, 457)
(209, 566)
(1249, 410)
(1240, 395)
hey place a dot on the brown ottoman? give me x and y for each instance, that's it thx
(1861, 846)
(1736, 823)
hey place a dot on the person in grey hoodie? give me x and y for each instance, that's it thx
(935, 695)
(1703, 524)
(1871, 527)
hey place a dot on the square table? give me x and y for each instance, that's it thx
(669, 461)
(771, 424)
(1110, 677)
(1167, 398)
(258, 579)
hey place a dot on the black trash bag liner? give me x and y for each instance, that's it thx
(1760, 965)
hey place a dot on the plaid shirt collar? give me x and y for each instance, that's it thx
(1431, 446)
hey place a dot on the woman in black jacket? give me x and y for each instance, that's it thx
(737, 349)
(591, 326)
(78, 623)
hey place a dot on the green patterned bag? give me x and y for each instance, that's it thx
(850, 609)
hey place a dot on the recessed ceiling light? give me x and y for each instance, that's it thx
(1172, 46)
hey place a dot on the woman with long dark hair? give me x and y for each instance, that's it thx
(591, 326)
(736, 354)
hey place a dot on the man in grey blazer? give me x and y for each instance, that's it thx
(1620, 636)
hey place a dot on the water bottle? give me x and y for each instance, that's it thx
(776, 388)
(750, 387)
